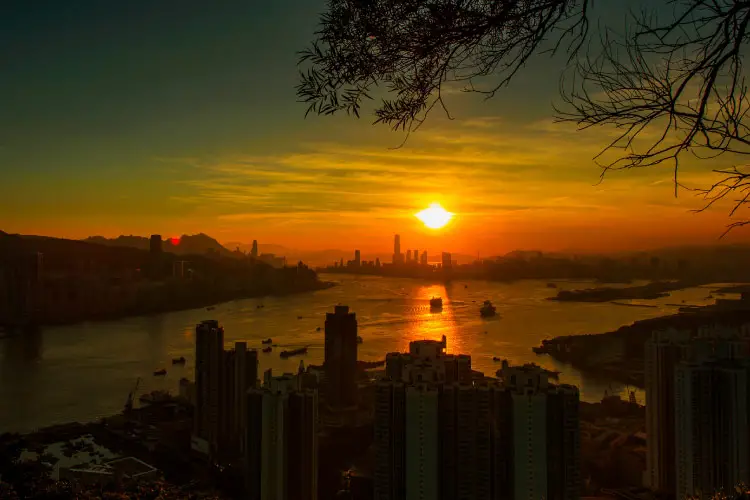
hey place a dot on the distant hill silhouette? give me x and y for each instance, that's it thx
(196, 244)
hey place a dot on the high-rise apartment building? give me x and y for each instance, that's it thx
(281, 447)
(446, 261)
(674, 364)
(340, 362)
(222, 379)
(408, 256)
(357, 258)
(439, 434)
(711, 426)
(254, 250)
(423, 259)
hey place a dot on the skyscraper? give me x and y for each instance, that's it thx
(281, 449)
(408, 256)
(397, 257)
(254, 250)
(357, 258)
(423, 260)
(447, 263)
(340, 362)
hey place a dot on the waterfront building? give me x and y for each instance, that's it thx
(397, 256)
(440, 434)
(340, 357)
(281, 449)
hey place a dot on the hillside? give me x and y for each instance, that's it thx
(197, 244)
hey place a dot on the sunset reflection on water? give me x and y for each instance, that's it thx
(432, 325)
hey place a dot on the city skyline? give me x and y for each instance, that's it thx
(180, 148)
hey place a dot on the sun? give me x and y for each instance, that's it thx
(434, 216)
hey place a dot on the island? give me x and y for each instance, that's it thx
(654, 290)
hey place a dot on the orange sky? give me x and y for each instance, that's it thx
(218, 144)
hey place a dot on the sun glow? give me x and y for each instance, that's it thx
(434, 216)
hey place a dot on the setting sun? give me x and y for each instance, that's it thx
(434, 216)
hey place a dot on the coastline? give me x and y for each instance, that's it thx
(620, 354)
(196, 303)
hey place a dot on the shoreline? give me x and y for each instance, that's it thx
(620, 354)
(197, 304)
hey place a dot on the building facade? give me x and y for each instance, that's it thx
(340, 362)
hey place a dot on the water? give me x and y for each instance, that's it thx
(85, 371)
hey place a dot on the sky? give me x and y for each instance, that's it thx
(175, 118)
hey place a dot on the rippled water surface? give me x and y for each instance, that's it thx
(85, 371)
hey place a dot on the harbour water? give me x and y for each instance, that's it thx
(85, 371)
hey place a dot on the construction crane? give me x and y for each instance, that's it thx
(129, 402)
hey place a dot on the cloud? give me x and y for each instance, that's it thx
(479, 168)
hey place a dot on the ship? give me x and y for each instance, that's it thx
(267, 341)
(487, 310)
(179, 361)
(268, 349)
(159, 373)
(293, 352)
(436, 303)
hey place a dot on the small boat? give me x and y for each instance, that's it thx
(268, 349)
(495, 358)
(466, 286)
(436, 303)
(293, 352)
(317, 329)
(299, 317)
(487, 310)
(159, 373)
(359, 339)
(551, 285)
(179, 361)
(267, 341)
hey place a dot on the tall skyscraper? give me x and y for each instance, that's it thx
(340, 362)
(408, 256)
(281, 450)
(439, 434)
(357, 258)
(423, 259)
(397, 257)
(254, 250)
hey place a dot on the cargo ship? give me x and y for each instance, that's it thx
(293, 352)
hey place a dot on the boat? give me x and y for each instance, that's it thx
(487, 310)
(495, 358)
(436, 303)
(267, 341)
(268, 349)
(359, 339)
(466, 286)
(299, 317)
(551, 285)
(179, 361)
(159, 373)
(293, 352)
(317, 329)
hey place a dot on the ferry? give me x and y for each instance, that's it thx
(159, 373)
(487, 310)
(293, 352)
(267, 349)
(436, 303)
(179, 361)
(267, 341)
